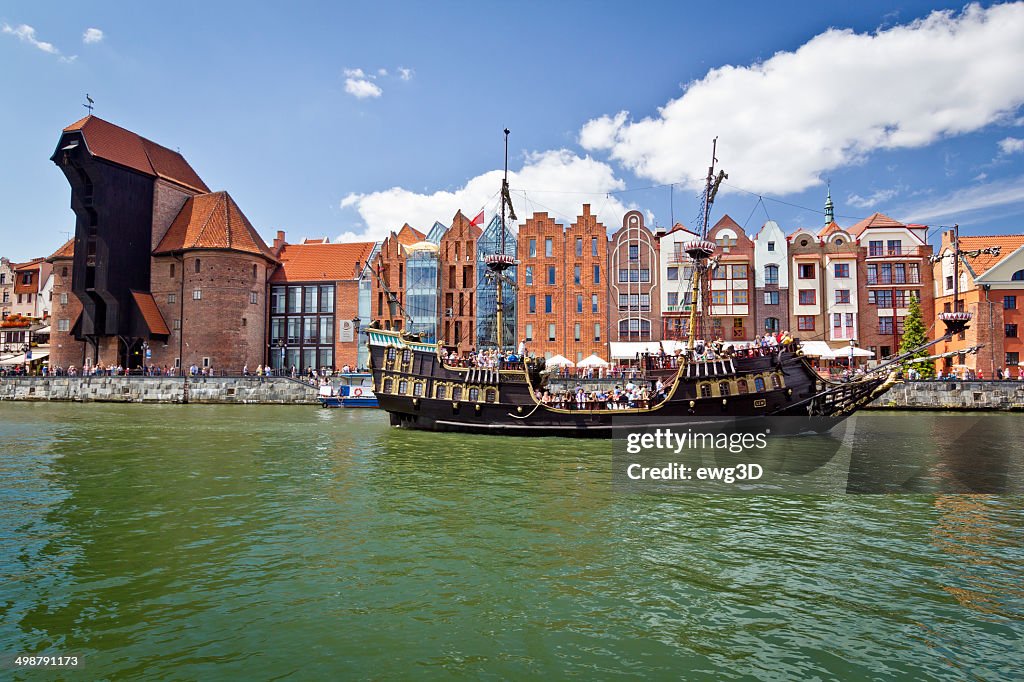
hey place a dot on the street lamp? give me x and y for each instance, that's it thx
(853, 344)
(145, 354)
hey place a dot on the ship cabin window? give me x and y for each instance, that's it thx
(492, 395)
(417, 389)
(406, 356)
(705, 390)
(741, 386)
(723, 388)
(403, 387)
(441, 392)
(388, 384)
(391, 353)
(776, 382)
(759, 385)
(474, 394)
(457, 393)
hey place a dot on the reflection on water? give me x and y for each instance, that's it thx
(190, 542)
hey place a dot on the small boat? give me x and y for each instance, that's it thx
(354, 390)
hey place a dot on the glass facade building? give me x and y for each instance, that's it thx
(486, 328)
(302, 326)
(422, 272)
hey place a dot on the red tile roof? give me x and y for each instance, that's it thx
(66, 251)
(213, 221)
(874, 220)
(151, 313)
(829, 229)
(321, 262)
(113, 143)
(985, 261)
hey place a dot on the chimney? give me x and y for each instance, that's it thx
(586, 210)
(279, 242)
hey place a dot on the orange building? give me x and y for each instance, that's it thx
(992, 289)
(388, 297)
(457, 254)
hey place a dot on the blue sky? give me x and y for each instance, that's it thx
(345, 120)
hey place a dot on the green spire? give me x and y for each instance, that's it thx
(829, 208)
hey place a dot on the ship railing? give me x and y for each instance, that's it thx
(600, 405)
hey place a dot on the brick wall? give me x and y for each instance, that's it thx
(346, 307)
(65, 351)
(167, 202)
(579, 253)
(223, 325)
(634, 233)
(457, 257)
(390, 268)
(538, 229)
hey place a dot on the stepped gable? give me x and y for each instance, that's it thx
(213, 221)
(113, 143)
(315, 261)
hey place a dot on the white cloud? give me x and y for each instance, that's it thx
(1011, 145)
(360, 88)
(979, 197)
(548, 181)
(27, 34)
(404, 73)
(382, 72)
(354, 73)
(877, 197)
(980, 177)
(92, 35)
(842, 95)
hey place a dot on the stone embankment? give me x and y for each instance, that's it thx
(953, 395)
(242, 390)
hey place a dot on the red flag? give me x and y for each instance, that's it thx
(478, 220)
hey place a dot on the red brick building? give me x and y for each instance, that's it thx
(65, 350)
(314, 302)
(209, 281)
(585, 274)
(992, 289)
(542, 292)
(159, 263)
(457, 254)
(389, 277)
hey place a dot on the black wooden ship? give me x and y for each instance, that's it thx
(422, 388)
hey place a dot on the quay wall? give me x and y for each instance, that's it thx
(953, 395)
(223, 390)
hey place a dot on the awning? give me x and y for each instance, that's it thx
(628, 350)
(592, 361)
(816, 349)
(559, 361)
(20, 359)
(42, 330)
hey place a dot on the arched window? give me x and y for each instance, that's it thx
(776, 382)
(441, 392)
(759, 385)
(474, 394)
(457, 393)
(254, 271)
(705, 390)
(771, 324)
(771, 274)
(406, 356)
(741, 386)
(417, 389)
(1018, 276)
(388, 384)
(403, 387)
(197, 265)
(492, 395)
(723, 388)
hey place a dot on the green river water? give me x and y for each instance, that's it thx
(225, 542)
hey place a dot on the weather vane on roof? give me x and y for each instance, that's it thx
(90, 104)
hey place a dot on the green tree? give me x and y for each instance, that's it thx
(916, 334)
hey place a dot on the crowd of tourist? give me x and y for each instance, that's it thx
(623, 397)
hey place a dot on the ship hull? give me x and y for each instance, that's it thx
(420, 391)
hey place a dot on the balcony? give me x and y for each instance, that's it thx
(883, 279)
(904, 252)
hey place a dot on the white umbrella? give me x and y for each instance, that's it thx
(592, 361)
(559, 361)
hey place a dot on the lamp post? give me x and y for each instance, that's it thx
(355, 335)
(853, 344)
(145, 355)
